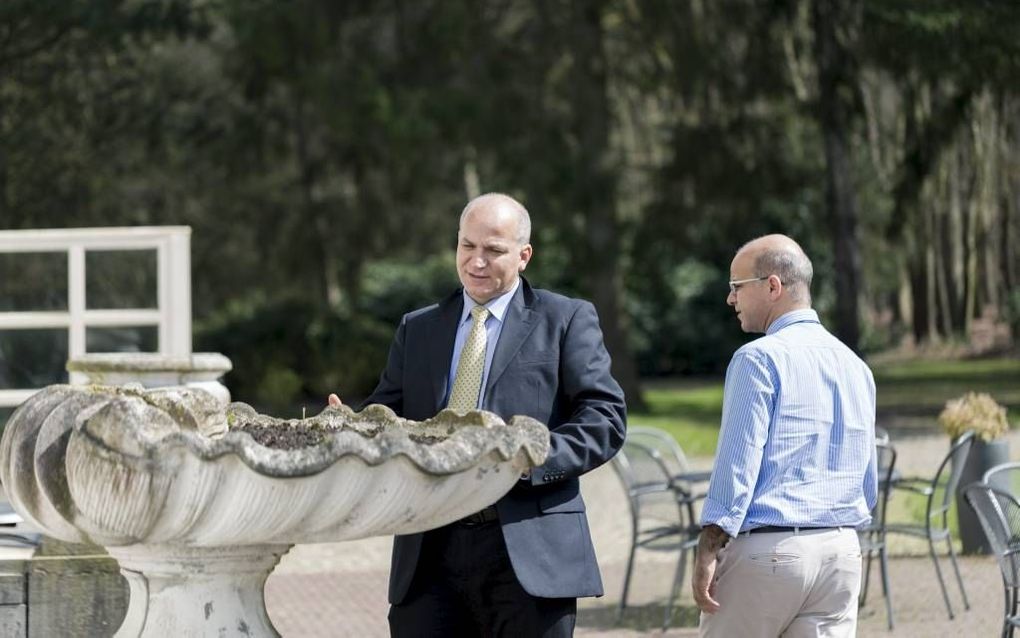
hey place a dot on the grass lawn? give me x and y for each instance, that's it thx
(910, 396)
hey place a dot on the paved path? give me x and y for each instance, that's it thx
(339, 589)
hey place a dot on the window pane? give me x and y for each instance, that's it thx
(122, 339)
(32, 358)
(33, 281)
(120, 279)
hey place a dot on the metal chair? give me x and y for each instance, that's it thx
(1005, 476)
(881, 434)
(683, 477)
(872, 536)
(661, 512)
(939, 492)
(687, 481)
(999, 514)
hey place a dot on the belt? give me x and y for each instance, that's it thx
(487, 515)
(776, 529)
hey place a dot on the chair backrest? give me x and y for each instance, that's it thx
(670, 452)
(650, 493)
(1005, 476)
(881, 434)
(640, 468)
(947, 478)
(886, 460)
(999, 514)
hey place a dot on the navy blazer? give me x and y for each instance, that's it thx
(551, 364)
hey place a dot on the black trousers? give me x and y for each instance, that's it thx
(465, 586)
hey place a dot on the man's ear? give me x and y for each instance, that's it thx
(775, 286)
(526, 252)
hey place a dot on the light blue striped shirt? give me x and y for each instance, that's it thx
(493, 327)
(797, 444)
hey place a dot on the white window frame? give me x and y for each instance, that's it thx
(172, 316)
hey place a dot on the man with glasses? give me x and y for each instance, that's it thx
(795, 466)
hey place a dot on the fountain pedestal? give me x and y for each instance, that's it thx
(197, 591)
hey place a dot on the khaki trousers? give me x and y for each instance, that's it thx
(788, 584)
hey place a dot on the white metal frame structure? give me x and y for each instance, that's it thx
(172, 316)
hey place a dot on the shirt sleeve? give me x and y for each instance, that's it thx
(748, 405)
(871, 473)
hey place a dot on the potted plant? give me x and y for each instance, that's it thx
(978, 412)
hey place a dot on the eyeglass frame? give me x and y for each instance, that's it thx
(735, 285)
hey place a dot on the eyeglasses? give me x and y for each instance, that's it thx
(735, 285)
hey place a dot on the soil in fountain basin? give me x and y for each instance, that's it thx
(281, 436)
(291, 436)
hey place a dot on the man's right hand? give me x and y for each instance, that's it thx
(334, 401)
(711, 540)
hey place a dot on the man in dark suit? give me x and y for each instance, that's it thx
(516, 568)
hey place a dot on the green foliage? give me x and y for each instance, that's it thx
(1013, 311)
(322, 151)
(278, 389)
(680, 324)
(692, 410)
(392, 288)
(922, 387)
(302, 352)
(293, 350)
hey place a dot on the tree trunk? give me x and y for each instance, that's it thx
(595, 190)
(985, 129)
(930, 300)
(837, 25)
(942, 248)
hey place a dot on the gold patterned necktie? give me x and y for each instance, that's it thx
(471, 366)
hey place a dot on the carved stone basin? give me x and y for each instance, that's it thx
(198, 513)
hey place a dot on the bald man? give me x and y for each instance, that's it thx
(518, 567)
(795, 471)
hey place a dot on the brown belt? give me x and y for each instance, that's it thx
(487, 515)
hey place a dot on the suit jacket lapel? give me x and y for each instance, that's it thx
(443, 334)
(518, 324)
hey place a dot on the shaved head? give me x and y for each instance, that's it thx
(505, 202)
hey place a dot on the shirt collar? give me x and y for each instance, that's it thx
(792, 317)
(497, 306)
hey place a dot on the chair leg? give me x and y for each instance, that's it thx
(938, 572)
(884, 565)
(1007, 628)
(678, 577)
(956, 568)
(1011, 605)
(867, 577)
(626, 578)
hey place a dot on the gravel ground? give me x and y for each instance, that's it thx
(339, 589)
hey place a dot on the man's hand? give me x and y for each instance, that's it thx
(334, 401)
(711, 540)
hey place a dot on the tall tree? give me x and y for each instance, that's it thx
(837, 26)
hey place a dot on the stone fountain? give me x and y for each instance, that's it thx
(197, 511)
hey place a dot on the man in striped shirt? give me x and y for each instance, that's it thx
(795, 467)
